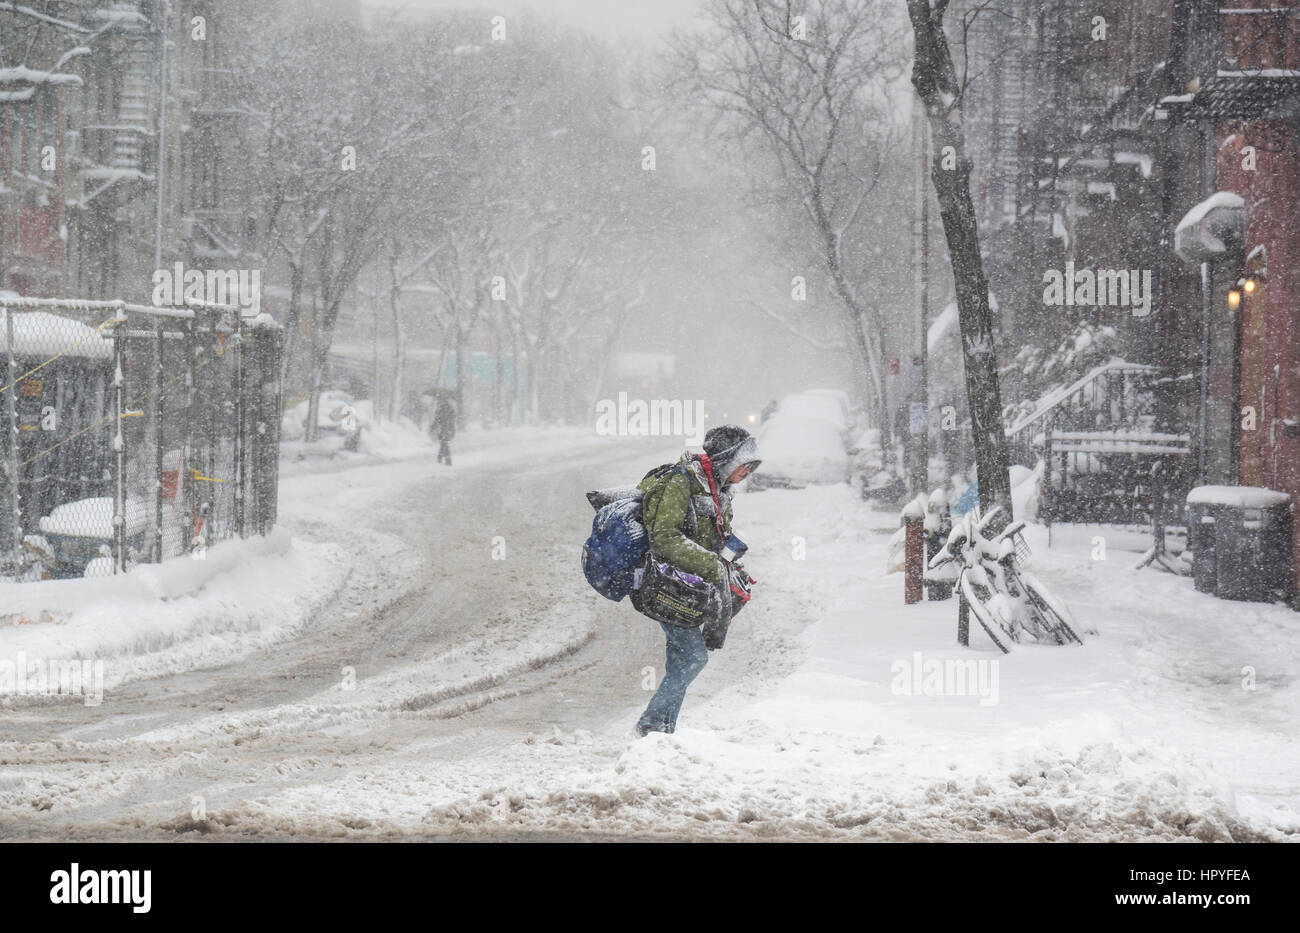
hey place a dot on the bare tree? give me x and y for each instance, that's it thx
(936, 81)
(809, 84)
(337, 165)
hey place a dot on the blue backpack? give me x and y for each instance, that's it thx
(617, 545)
(618, 542)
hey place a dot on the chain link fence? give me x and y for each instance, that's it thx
(136, 433)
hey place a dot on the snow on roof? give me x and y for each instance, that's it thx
(1201, 234)
(21, 74)
(41, 334)
(1140, 159)
(1242, 497)
(1225, 199)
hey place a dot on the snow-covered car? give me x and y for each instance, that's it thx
(798, 451)
(838, 398)
(824, 404)
(338, 413)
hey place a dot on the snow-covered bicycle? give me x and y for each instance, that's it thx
(1008, 602)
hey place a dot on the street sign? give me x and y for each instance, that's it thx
(916, 418)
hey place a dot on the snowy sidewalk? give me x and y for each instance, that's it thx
(803, 726)
(1144, 733)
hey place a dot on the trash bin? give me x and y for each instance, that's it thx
(1200, 539)
(1245, 532)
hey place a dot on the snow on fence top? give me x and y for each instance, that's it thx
(22, 303)
(44, 335)
(40, 331)
(1242, 497)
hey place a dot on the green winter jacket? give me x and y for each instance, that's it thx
(665, 512)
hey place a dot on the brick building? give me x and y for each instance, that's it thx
(80, 118)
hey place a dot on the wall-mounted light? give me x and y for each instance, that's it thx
(1234, 299)
(1249, 286)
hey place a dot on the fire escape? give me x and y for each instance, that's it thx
(118, 151)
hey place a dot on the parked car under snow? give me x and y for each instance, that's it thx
(799, 451)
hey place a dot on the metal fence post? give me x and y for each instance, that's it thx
(213, 411)
(159, 411)
(241, 426)
(186, 485)
(119, 449)
(14, 507)
(275, 339)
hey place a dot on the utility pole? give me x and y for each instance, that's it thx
(919, 481)
(162, 137)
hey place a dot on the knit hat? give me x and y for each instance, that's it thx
(728, 447)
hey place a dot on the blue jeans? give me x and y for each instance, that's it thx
(686, 657)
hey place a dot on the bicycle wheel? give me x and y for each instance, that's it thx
(977, 598)
(1051, 611)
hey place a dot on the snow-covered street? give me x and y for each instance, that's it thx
(414, 654)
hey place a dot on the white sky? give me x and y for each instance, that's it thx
(610, 19)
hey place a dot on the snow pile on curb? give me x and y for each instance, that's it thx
(180, 614)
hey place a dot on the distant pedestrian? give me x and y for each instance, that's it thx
(444, 428)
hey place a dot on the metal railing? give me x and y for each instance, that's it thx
(1100, 442)
(135, 433)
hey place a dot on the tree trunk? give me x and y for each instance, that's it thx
(516, 381)
(935, 81)
(399, 354)
(313, 398)
(292, 319)
(461, 357)
(498, 373)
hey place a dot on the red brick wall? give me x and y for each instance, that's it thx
(1269, 318)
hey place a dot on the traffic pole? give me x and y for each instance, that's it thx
(913, 558)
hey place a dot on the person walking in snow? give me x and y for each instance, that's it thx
(687, 516)
(444, 427)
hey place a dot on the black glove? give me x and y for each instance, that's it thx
(715, 626)
(715, 633)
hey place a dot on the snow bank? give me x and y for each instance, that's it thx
(177, 615)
